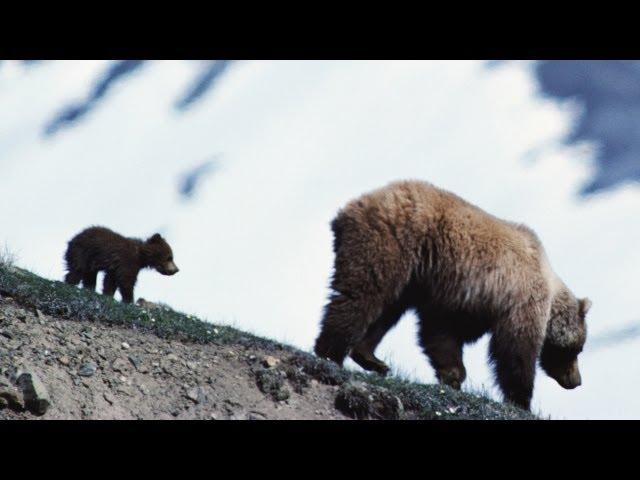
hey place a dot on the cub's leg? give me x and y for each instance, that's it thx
(110, 284)
(126, 284)
(89, 280)
(514, 349)
(363, 352)
(73, 277)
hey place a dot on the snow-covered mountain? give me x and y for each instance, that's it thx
(243, 164)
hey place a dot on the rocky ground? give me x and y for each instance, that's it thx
(103, 372)
(71, 354)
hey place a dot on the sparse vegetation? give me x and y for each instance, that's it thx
(358, 395)
(7, 257)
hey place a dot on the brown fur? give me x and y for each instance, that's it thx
(100, 249)
(411, 245)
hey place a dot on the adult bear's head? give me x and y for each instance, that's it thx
(565, 338)
(159, 255)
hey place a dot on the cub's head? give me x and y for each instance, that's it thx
(160, 255)
(566, 335)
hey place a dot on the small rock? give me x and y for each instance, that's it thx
(87, 369)
(192, 365)
(88, 334)
(270, 361)
(36, 397)
(64, 360)
(173, 357)
(194, 394)
(125, 346)
(137, 363)
(119, 365)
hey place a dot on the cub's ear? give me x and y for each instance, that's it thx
(584, 306)
(155, 238)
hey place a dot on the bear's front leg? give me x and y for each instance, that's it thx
(126, 285)
(514, 348)
(110, 284)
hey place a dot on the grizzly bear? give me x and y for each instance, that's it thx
(100, 249)
(411, 245)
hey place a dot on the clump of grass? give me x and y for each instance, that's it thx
(440, 402)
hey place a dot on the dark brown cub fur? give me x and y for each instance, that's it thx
(465, 272)
(100, 249)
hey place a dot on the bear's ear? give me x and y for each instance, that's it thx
(155, 238)
(584, 306)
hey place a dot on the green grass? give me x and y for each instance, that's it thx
(419, 400)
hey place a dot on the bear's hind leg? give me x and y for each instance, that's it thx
(364, 352)
(344, 324)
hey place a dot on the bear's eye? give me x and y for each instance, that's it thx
(170, 259)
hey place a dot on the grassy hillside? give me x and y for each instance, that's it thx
(357, 395)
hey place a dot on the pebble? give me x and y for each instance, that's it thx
(192, 365)
(194, 394)
(125, 346)
(270, 361)
(119, 365)
(87, 369)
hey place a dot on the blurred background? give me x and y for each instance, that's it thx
(243, 164)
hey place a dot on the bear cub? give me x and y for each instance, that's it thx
(100, 249)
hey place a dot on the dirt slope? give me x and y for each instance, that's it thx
(70, 354)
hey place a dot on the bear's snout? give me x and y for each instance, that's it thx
(168, 268)
(571, 379)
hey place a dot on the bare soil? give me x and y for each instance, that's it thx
(141, 376)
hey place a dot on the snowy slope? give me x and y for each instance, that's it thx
(292, 142)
